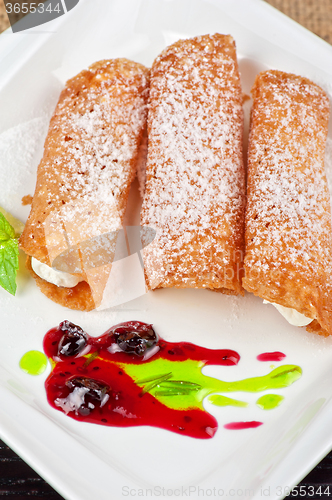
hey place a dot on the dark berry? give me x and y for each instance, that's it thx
(95, 394)
(73, 340)
(134, 337)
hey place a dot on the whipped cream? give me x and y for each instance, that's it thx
(58, 278)
(291, 315)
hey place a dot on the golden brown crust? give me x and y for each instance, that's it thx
(27, 200)
(89, 162)
(195, 191)
(79, 297)
(288, 216)
(315, 327)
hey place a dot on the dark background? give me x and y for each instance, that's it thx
(19, 481)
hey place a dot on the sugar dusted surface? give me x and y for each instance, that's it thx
(89, 161)
(288, 219)
(195, 177)
(90, 151)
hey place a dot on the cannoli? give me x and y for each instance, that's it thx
(83, 181)
(195, 192)
(288, 217)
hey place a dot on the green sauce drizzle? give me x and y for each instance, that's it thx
(33, 362)
(218, 400)
(182, 385)
(269, 401)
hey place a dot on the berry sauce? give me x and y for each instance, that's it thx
(235, 426)
(130, 377)
(271, 356)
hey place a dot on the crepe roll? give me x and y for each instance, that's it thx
(195, 191)
(288, 217)
(83, 181)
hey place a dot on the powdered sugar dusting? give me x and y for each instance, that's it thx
(328, 163)
(195, 181)
(288, 221)
(98, 144)
(90, 153)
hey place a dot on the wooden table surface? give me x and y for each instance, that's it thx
(17, 479)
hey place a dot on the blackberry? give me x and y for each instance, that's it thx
(95, 394)
(73, 340)
(135, 337)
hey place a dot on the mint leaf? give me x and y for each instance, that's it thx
(8, 264)
(16, 224)
(6, 230)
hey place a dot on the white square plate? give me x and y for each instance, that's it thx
(84, 461)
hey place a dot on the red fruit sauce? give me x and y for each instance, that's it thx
(271, 356)
(127, 405)
(235, 426)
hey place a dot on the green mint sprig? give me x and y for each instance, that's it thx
(154, 382)
(8, 256)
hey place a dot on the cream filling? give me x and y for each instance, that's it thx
(58, 278)
(291, 315)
